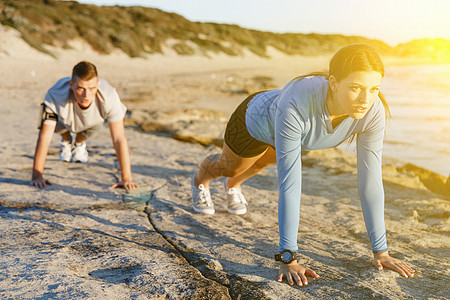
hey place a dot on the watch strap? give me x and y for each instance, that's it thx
(279, 256)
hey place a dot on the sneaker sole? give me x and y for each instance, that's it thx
(204, 211)
(78, 161)
(237, 211)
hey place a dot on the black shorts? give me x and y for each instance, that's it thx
(237, 136)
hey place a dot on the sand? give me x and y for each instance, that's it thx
(81, 239)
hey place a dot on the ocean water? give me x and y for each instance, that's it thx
(419, 100)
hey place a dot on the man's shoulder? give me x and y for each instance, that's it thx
(105, 86)
(61, 84)
(106, 92)
(59, 91)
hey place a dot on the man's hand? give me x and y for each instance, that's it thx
(40, 182)
(40, 154)
(121, 146)
(126, 184)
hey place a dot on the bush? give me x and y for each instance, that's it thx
(183, 49)
(136, 30)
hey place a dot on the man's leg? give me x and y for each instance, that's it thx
(65, 151)
(66, 136)
(80, 138)
(80, 153)
(85, 134)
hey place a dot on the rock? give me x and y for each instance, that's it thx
(238, 85)
(204, 127)
(434, 182)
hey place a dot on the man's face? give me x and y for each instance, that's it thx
(84, 91)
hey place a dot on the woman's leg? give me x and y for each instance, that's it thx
(267, 159)
(228, 164)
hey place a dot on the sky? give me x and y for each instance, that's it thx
(392, 21)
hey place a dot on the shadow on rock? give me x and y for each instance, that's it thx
(115, 275)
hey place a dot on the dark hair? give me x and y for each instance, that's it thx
(84, 70)
(354, 58)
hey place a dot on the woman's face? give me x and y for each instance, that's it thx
(355, 94)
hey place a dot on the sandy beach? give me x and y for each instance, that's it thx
(80, 239)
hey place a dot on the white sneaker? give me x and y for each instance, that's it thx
(79, 153)
(65, 151)
(237, 205)
(201, 198)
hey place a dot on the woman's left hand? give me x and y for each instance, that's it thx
(383, 259)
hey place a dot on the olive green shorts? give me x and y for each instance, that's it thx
(237, 136)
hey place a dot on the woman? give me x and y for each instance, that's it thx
(311, 112)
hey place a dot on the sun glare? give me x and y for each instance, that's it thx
(436, 50)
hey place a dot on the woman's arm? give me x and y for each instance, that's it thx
(288, 134)
(370, 185)
(288, 131)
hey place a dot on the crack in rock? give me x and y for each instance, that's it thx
(211, 269)
(206, 291)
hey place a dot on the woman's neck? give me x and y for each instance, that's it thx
(336, 117)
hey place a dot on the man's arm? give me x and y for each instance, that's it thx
(40, 154)
(121, 146)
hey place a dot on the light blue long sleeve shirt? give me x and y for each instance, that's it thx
(296, 118)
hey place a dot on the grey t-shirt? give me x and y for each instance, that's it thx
(106, 106)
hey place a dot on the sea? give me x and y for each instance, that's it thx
(419, 101)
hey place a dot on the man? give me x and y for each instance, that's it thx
(76, 107)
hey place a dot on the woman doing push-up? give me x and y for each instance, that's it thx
(311, 112)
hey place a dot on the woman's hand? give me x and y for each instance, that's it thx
(384, 260)
(296, 271)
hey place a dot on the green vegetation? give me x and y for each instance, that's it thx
(139, 30)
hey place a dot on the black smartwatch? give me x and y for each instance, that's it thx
(286, 256)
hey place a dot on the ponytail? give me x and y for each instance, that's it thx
(385, 104)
